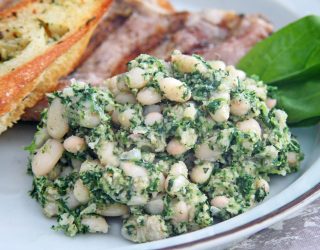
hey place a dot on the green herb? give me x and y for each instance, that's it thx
(245, 183)
(214, 105)
(39, 187)
(290, 60)
(260, 194)
(31, 148)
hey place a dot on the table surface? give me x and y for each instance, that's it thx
(301, 231)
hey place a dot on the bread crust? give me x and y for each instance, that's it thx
(47, 81)
(16, 86)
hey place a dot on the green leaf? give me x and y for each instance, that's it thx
(290, 60)
(31, 148)
(300, 100)
(287, 53)
(305, 123)
(214, 105)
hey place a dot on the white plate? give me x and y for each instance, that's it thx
(24, 227)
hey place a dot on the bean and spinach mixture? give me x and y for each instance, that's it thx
(170, 147)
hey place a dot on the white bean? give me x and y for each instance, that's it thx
(190, 112)
(41, 137)
(133, 170)
(271, 103)
(228, 83)
(121, 84)
(125, 117)
(188, 64)
(261, 183)
(152, 229)
(205, 153)
(137, 200)
(52, 194)
(292, 158)
(113, 210)
(270, 151)
(47, 157)
(201, 173)
(152, 118)
(68, 91)
(131, 155)
(137, 78)
(89, 119)
(109, 108)
(281, 117)
(90, 165)
(74, 144)
(217, 65)
(148, 96)
(71, 200)
(162, 181)
(112, 85)
(261, 92)
(57, 123)
(124, 98)
(220, 201)
(235, 72)
(241, 74)
(50, 209)
(174, 90)
(175, 147)
(221, 95)
(180, 212)
(81, 192)
(179, 168)
(55, 172)
(250, 125)
(96, 224)
(174, 184)
(106, 154)
(239, 107)
(155, 206)
(151, 108)
(188, 137)
(222, 114)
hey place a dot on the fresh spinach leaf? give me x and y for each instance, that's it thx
(291, 51)
(301, 101)
(290, 60)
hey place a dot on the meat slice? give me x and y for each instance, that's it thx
(200, 29)
(216, 35)
(245, 33)
(133, 27)
(137, 35)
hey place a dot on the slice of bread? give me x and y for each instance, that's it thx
(41, 41)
